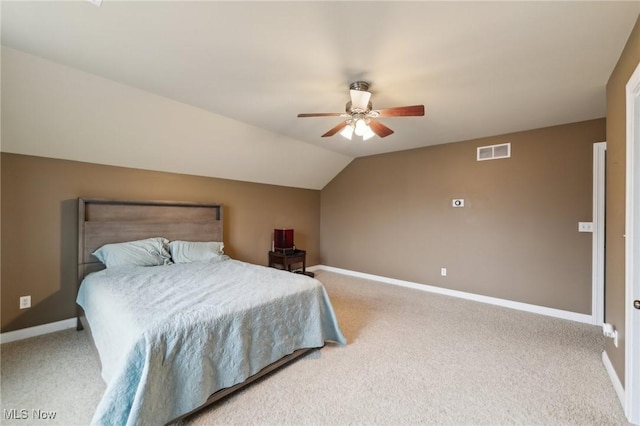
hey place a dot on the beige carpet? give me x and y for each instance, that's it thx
(412, 358)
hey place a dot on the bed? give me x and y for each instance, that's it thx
(175, 337)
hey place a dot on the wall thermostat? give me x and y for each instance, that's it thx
(457, 202)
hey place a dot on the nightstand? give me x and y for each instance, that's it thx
(287, 259)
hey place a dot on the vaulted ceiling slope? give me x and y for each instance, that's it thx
(55, 111)
(213, 88)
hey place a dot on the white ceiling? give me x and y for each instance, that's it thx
(480, 68)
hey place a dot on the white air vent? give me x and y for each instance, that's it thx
(494, 152)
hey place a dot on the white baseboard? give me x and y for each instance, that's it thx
(25, 333)
(542, 310)
(613, 376)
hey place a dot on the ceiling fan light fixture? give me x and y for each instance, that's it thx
(361, 117)
(347, 132)
(360, 100)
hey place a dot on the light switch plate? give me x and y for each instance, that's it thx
(585, 226)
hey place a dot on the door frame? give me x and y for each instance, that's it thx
(632, 250)
(598, 239)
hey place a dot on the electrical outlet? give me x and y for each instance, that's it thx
(609, 331)
(443, 272)
(25, 302)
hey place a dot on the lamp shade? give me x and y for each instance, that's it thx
(360, 99)
(360, 127)
(368, 133)
(347, 132)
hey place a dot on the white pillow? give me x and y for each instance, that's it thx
(147, 252)
(191, 251)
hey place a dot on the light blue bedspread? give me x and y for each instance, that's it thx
(170, 336)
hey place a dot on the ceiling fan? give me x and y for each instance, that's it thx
(360, 117)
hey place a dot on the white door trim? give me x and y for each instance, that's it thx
(632, 251)
(598, 243)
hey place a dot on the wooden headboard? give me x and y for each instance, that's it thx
(103, 221)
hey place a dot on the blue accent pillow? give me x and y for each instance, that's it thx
(147, 252)
(192, 251)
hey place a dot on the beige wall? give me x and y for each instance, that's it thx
(517, 237)
(616, 187)
(39, 223)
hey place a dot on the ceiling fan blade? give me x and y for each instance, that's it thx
(405, 111)
(360, 99)
(322, 114)
(336, 129)
(380, 129)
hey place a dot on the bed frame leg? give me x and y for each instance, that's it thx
(79, 326)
